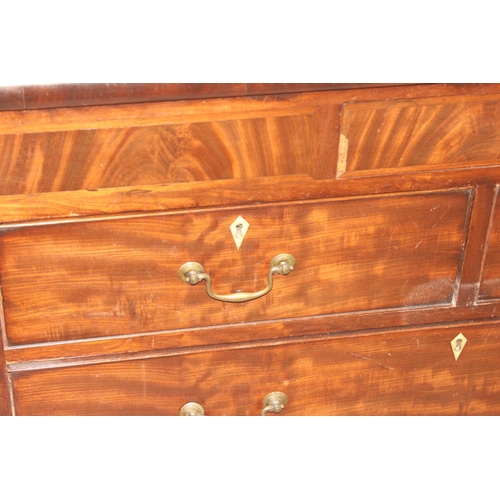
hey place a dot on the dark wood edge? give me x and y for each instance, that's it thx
(96, 94)
(6, 407)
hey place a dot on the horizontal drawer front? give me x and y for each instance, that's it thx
(154, 144)
(401, 373)
(398, 135)
(92, 159)
(111, 277)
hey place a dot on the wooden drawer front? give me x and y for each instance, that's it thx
(111, 277)
(105, 147)
(400, 373)
(402, 135)
(490, 281)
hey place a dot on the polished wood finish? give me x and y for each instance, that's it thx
(479, 225)
(391, 373)
(490, 283)
(396, 235)
(5, 399)
(22, 210)
(154, 344)
(11, 98)
(71, 281)
(92, 94)
(99, 147)
(409, 134)
(115, 157)
(169, 144)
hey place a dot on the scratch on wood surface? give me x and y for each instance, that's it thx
(486, 339)
(390, 240)
(416, 348)
(369, 359)
(444, 213)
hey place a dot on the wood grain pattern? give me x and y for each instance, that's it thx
(116, 157)
(101, 204)
(161, 113)
(18, 210)
(79, 352)
(325, 137)
(393, 373)
(92, 94)
(111, 277)
(5, 399)
(71, 95)
(489, 287)
(159, 143)
(11, 98)
(414, 133)
(470, 278)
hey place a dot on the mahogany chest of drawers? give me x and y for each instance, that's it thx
(276, 249)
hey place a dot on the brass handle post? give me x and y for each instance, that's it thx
(193, 273)
(192, 409)
(274, 402)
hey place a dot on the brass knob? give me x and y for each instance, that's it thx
(192, 409)
(275, 402)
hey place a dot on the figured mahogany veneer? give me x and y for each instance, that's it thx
(386, 195)
(393, 373)
(490, 281)
(406, 134)
(147, 155)
(118, 276)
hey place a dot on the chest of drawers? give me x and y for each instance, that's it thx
(337, 246)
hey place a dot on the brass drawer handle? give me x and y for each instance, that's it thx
(192, 409)
(193, 273)
(275, 402)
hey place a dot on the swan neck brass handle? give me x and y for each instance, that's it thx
(193, 273)
(274, 402)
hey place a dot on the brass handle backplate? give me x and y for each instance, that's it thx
(192, 409)
(193, 273)
(275, 402)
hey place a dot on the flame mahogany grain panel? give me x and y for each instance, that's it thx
(421, 132)
(393, 373)
(119, 276)
(93, 147)
(134, 156)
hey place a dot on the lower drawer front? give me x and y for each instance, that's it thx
(399, 373)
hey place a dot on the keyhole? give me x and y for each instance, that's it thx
(239, 229)
(458, 346)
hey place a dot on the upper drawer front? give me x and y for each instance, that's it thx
(405, 135)
(111, 277)
(106, 147)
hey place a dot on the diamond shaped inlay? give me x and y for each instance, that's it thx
(458, 344)
(239, 229)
